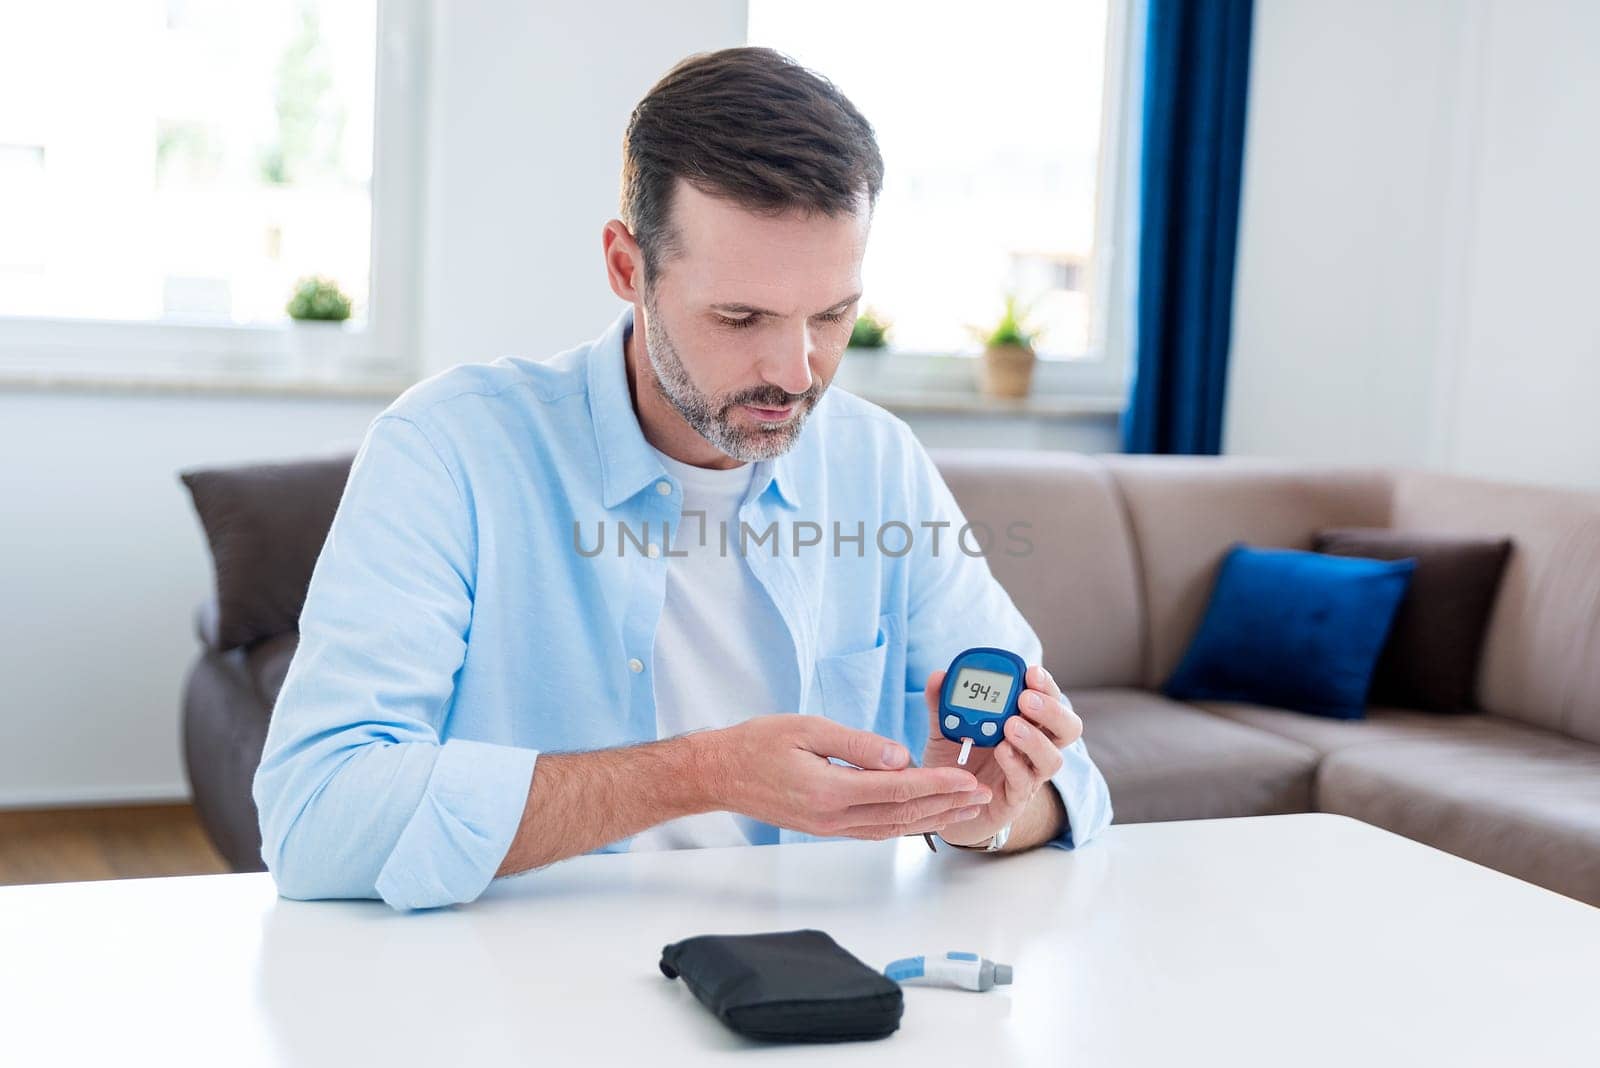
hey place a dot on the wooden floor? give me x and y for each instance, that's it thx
(132, 841)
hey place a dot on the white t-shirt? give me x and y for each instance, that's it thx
(707, 664)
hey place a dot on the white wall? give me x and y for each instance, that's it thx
(525, 149)
(103, 564)
(1418, 241)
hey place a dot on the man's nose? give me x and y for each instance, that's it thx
(789, 367)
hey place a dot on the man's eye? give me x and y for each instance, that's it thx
(833, 318)
(737, 324)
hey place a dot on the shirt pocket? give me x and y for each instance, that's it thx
(864, 688)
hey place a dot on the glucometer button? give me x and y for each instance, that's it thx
(952, 722)
(988, 729)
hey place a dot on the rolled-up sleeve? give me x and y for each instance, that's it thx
(357, 794)
(955, 603)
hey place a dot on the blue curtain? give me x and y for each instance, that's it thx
(1197, 65)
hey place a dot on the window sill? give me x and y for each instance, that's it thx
(911, 385)
(951, 402)
(353, 387)
(949, 385)
(285, 360)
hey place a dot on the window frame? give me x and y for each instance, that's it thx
(384, 349)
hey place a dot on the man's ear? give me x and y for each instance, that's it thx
(624, 261)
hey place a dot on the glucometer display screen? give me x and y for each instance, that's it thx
(981, 691)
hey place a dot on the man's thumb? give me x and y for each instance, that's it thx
(931, 693)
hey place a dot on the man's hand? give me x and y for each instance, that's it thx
(1016, 768)
(776, 769)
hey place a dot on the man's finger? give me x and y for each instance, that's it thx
(922, 808)
(1052, 714)
(930, 694)
(1032, 743)
(1020, 781)
(879, 831)
(868, 787)
(1037, 678)
(861, 748)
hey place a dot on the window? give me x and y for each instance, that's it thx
(178, 165)
(999, 125)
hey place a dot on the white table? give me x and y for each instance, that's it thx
(1308, 940)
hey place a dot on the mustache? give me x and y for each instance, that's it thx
(776, 397)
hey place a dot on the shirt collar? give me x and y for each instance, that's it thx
(627, 462)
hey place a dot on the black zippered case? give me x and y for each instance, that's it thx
(786, 986)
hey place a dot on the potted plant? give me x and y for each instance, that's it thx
(319, 309)
(1008, 355)
(870, 332)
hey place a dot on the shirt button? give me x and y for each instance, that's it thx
(635, 665)
(664, 487)
(652, 550)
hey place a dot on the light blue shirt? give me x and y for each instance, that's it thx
(459, 621)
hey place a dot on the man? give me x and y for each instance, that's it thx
(576, 605)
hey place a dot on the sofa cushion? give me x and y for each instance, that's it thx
(1516, 798)
(1541, 654)
(1078, 585)
(1381, 725)
(1169, 761)
(266, 524)
(1431, 658)
(1292, 628)
(1185, 511)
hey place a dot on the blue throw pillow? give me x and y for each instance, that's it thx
(1293, 629)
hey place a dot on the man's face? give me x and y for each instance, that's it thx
(746, 324)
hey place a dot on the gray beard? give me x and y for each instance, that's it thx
(711, 417)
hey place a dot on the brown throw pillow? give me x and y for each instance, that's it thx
(1430, 660)
(266, 524)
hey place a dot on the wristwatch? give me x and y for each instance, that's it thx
(993, 845)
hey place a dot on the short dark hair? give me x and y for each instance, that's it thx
(750, 125)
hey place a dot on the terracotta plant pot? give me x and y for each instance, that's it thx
(1008, 370)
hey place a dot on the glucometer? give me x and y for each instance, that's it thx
(979, 694)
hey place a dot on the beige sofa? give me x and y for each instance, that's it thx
(1124, 553)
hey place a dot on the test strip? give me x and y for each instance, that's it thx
(966, 748)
